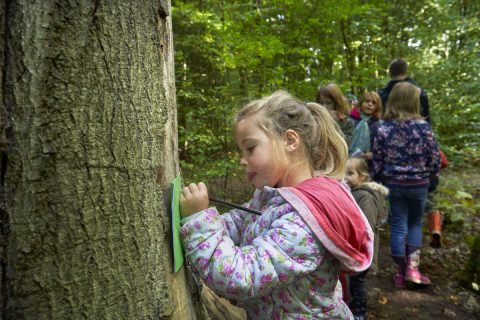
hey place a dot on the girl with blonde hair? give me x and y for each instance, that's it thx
(405, 156)
(371, 197)
(366, 122)
(285, 263)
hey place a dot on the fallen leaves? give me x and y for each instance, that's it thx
(383, 300)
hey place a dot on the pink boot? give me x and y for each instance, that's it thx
(412, 274)
(399, 278)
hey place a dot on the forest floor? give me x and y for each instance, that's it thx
(444, 298)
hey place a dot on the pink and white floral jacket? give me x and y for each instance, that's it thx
(274, 263)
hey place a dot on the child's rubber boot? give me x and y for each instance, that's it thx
(412, 274)
(399, 278)
(435, 228)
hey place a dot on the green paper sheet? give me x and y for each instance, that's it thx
(176, 187)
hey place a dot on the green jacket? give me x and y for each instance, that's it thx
(371, 197)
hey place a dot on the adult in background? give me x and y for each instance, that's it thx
(398, 71)
(332, 98)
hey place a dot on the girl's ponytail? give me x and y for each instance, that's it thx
(329, 151)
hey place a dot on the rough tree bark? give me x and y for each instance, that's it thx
(88, 143)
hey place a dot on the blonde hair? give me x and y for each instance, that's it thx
(331, 96)
(323, 143)
(403, 102)
(361, 166)
(372, 95)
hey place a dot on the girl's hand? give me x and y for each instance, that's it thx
(193, 199)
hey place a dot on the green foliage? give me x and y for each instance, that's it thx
(452, 75)
(229, 52)
(469, 277)
(457, 200)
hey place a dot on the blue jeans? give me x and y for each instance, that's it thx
(407, 205)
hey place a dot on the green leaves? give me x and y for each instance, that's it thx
(456, 196)
(229, 52)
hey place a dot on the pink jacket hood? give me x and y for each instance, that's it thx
(330, 211)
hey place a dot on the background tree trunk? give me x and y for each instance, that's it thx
(88, 149)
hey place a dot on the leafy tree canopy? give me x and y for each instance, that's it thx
(229, 52)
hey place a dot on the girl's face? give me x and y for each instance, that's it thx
(258, 157)
(328, 103)
(369, 106)
(353, 178)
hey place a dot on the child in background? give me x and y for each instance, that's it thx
(366, 122)
(405, 156)
(285, 263)
(433, 213)
(331, 97)
(371, 198)
(352, 100)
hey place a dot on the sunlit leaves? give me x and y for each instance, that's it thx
(229, 52)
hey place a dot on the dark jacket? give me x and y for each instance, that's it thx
(371, 198)
(347, 125)
(385, 92)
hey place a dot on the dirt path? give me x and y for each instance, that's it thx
(445, 298)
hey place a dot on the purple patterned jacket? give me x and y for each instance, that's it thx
(273, 263)
(405, 153)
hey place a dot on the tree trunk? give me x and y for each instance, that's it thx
(88, 148)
